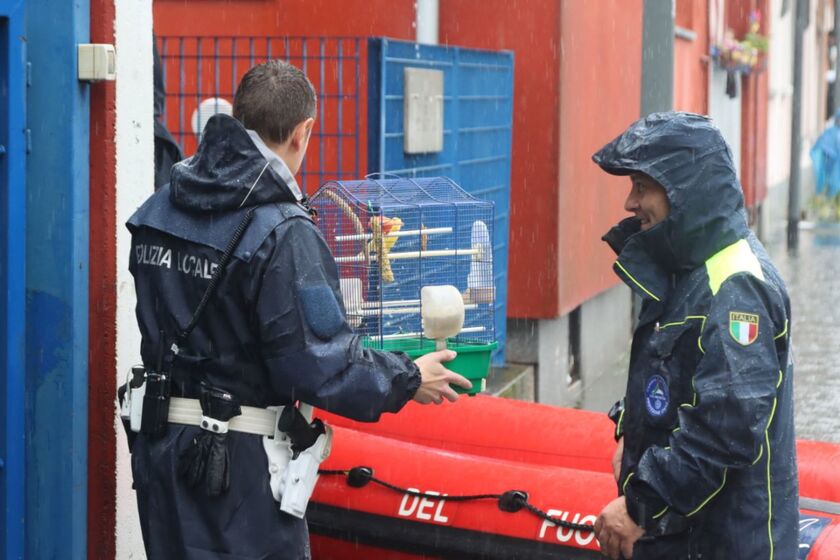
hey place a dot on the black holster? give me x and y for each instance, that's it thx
(301, 432)
(155, 405)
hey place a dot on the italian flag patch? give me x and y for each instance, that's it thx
(743, 327)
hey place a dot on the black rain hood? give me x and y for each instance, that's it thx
(226, 170)
(688, 156)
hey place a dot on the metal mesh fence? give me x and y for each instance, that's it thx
(201, 74)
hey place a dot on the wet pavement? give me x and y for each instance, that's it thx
(812, 275)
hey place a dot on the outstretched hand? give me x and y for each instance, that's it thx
(435, 378)
(615, 530)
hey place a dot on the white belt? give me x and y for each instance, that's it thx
(253, 420)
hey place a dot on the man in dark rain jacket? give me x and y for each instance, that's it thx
(167, 150)
(272, 333)
(708, 467)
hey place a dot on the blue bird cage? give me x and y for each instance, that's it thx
(393, 237)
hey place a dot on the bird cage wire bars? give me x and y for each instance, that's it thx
(392, 237)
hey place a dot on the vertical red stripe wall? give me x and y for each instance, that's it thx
(600, 95)
(102, 491)
(532, 34)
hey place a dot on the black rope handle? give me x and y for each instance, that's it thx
(510, 501)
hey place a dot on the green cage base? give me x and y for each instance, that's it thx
(472, 361)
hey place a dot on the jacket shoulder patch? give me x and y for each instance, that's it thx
(743, 327)
(321, 310)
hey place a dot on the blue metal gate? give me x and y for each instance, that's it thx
(12, 288)
(478, 116)
(57, 244)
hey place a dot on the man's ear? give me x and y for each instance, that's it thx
(301, 133)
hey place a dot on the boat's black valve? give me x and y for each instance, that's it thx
(513, 500)
(359, 476)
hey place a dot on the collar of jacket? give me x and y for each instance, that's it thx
(277, 164)
(227, 172)
(641, 271)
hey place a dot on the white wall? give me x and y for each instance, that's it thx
(135, 182)
(781, 91)
(780, 95)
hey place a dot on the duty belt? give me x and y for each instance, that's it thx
(253, 420)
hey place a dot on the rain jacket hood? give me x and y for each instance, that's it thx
(227, 172)
(687, 155)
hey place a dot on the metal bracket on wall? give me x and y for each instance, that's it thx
(423, 102)
(97, 62)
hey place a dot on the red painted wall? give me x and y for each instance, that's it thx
(102, 445)
(532, 35)
(391, 18)
(691, 58)
(600, 95)
(577, 85)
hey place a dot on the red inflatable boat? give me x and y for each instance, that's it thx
(495, 478)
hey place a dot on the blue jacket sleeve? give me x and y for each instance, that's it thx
(725, 427)
(310, 351)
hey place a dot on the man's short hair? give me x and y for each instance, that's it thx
(272, 99)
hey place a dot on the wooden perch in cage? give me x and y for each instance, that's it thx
(373, 309)
(399, 336)
(406, 233)
(414, 255)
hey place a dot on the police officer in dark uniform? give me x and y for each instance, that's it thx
(706, 463)
(239, 309)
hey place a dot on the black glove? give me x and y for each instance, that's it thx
(207, 458)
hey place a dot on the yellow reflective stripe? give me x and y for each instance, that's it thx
(618, 424)
(683, 322)
(769, 493)
(630, 276)
(769, 481)
(702, 319)
(712, 495)
(736, 258)
(760, 454)
(783, 333)
(700, 337)
(661, 513)
(626, 480)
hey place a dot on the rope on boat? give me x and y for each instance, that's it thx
(510, 501)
